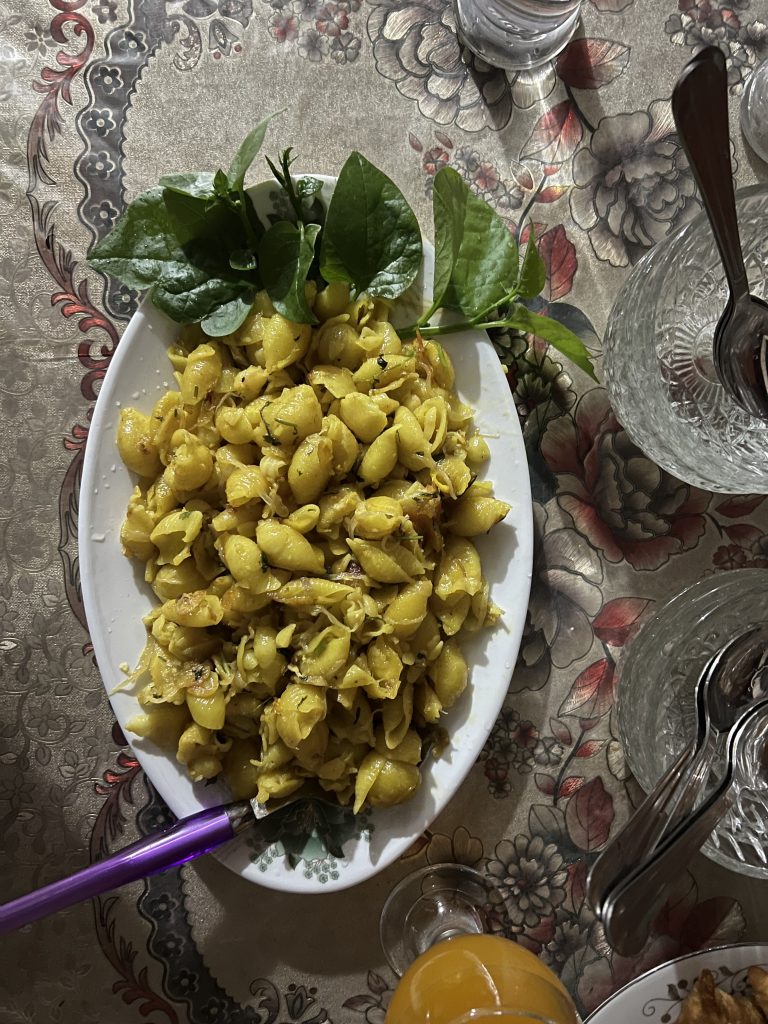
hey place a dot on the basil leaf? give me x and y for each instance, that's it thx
(533, 272)
(371, 236)
(142, 246)
(193, 298)
(221, 185)
(197, 216)
(573, 318)
(242, 259)
(226, 319)
(476, 260)
(331, 267)
(285, 254)
(448, 199)
(558, 335)
(246, 154)
(306, 187)
(195, 183)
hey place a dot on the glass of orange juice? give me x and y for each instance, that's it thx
(433, 932)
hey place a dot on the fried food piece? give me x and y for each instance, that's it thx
(707, 1004)
(758, 979)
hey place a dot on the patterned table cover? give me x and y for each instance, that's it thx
(97, 99)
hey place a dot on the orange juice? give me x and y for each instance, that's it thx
(479, 972)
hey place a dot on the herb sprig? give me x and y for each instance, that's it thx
(195, 240)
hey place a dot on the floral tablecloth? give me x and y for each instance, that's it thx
(97, 99)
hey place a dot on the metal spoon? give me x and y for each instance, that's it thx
(730, 682)
(700, 110)
(631, 907)
(721, 700)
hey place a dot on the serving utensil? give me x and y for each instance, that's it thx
(189, 838)
(293, 820)
(700, 110)
(631, 906)
(729, 682)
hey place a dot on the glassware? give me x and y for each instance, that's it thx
(656, 713)
(754, 110)
(433, 932)
(516, 34)
(657, 356)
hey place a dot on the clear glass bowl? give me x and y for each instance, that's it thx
(656, 713)
(754, 110)
(657, 356)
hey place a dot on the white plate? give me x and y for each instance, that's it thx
(116, 597)
(659, 994)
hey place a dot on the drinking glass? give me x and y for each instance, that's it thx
(516, 34)
(754, 110)
(434, 934)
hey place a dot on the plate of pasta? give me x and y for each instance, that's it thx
(305, 554)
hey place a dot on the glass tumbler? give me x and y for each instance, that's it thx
(516, 34)
(657, 714)
(657, 356)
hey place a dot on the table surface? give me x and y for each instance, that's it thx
(97, 99)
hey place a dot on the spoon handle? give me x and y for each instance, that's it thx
(188, 838)
(629, 909)
(700, 109)
(641, 834)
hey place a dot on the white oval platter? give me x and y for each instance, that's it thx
(116, 598)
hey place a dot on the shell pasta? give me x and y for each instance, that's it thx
(305, 511)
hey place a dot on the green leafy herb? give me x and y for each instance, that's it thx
(478, 273)
(475, 252)
(298, 191)
(196, 183)
(533, 273)
(247, 153)
(142, 247)
(307, 187)
(196, 242)
(242, 259)
(285, 254)
(551, 330)
(226, 319)
(196, 217)
(377, 248)
(196, 298)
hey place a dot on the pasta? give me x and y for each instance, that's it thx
(305, 514)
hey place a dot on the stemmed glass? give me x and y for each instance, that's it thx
(434, 931)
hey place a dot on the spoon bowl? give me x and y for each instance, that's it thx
(700, 110)
(739, 353)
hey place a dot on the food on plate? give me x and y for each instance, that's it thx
(758, 980)
(708, 1004)
(305, 511)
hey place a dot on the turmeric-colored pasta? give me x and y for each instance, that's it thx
(304, 511)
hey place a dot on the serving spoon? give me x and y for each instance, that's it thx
(729, 683)
(188, 838)
(740, 346)
(293, 819)
(631, 906)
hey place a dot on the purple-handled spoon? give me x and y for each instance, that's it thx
(188, 838)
